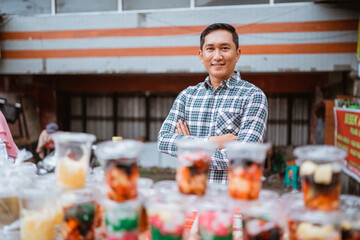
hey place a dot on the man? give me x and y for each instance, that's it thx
(221, 109)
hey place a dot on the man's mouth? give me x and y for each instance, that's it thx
(218, 64)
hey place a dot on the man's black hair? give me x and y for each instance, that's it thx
(219, 26)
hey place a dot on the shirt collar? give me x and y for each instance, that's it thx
(229, 83)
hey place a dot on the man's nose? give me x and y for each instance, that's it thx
(218, 55)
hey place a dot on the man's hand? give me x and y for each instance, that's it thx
(182, 128)
(220, 140)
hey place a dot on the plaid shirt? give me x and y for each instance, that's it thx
(236, 107)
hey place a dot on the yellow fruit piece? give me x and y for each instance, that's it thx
(307, 168)
(323, 174)
(308, 231)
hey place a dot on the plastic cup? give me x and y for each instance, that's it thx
(246, 169)
(320, 172)
(145, 191)
(122, 219)
(121, 170)
(166, 216)
(350, 226)
(82, 213)
(215, 219)
(9, 197)
(72, 154)
(263, 220)
(37, 214)
(315, 225)
(194, 158)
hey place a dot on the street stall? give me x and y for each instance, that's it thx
(113, 202)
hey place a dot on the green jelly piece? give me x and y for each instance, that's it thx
(156, 235)
(124, 224)
(228, 237)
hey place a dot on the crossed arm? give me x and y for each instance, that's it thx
(182, 128)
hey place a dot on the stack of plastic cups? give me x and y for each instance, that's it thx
(193, 164)
(122, 206)
(80, 208)
(245, 183)
(320, 172)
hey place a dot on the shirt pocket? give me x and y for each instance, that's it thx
(228, 122)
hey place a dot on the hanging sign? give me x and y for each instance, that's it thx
(347, 136)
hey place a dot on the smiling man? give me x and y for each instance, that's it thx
(221, 109)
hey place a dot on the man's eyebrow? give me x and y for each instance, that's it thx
(222, 44)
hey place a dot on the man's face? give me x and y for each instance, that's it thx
(219, 55)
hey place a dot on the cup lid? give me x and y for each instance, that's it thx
(73, 137)
(247, 150)
(119, 149)
(320, 153)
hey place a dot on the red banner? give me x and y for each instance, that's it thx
(347, 136)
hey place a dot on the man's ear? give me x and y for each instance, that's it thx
(201, 56)
(238, 53)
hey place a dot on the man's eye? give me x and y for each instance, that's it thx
(225, 48)
(210, 49)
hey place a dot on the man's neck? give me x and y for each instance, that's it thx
(215, 82)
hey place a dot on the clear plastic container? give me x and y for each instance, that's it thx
(263, 220)
(320, 172)
(166, 212)
(122, 219)
(246, 169)
(307, 224)
(145, 191)
(350, 226)
(215, 218)
(37, 214)
(121, 169)
(194, 158)
(9, 197)
(72, 154)
(82, 213)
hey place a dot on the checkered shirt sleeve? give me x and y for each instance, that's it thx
(167, 137)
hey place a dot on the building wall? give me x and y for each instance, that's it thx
(299, 37)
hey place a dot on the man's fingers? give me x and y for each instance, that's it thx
(183, 128)
(187, 129)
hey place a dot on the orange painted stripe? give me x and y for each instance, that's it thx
(304, 48)
(286, 27)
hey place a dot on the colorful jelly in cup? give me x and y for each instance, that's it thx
(215, 219)
(166, 216)
(320, 173)
(121, 170)
(194, 158)
(122, 220)
(81, 214)
(246, 169)
(263, 220)
(72, 153)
